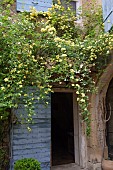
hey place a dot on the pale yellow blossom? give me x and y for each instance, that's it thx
(63, 49)
(43, 30)
(20, 85)
(57, 39)
(6, 79)
(2, 88)
(83, 94)
(72, 70)
(64, 55)
(82, 100)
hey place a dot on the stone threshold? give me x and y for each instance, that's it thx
(71, 166)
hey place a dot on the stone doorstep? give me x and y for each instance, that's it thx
(96, 166)
(71, 166)
(107, 165)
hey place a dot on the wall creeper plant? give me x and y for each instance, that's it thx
(39, 49)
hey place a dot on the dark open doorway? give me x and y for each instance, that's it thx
(62, 128)
(109, 125)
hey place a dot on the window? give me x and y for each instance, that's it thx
(73, 5)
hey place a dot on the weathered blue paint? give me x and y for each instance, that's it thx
(34, 144)
(107, 6)
(40, 5)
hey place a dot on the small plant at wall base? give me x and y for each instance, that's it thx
(39, 49)
(27, 164)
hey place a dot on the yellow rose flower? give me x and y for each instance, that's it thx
(6, 79)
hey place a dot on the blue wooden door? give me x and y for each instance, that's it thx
(34, 144)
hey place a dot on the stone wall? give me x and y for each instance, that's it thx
(97, 148)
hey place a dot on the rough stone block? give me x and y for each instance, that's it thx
(96, 166)
(107, 165)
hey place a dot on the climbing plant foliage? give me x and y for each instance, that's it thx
(44, 49)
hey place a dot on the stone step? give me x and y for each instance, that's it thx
(107, 165)
(66, 167)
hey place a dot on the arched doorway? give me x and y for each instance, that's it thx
(109, 123)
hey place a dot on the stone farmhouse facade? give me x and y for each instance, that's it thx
(58, 136)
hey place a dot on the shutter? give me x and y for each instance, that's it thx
(107, 6)
(73, 4)
(34, 144)
(40, 5)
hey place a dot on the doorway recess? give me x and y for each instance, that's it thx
(109, 125)
(62, 128)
